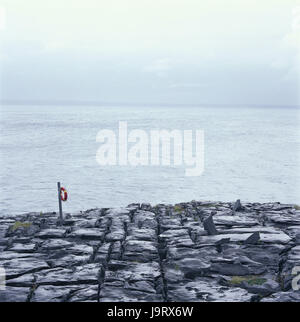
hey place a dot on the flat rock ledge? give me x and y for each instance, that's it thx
(194, 252)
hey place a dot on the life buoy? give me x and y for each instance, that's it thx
(63, 194)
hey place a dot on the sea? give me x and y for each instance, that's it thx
(250, 153)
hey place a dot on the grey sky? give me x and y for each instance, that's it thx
(158, 51)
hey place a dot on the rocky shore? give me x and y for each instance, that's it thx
(195, 251)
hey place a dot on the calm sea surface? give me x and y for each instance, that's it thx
(250, 153)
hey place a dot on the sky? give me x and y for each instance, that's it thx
(151, 51)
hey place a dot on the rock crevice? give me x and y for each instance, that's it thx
(193, 251)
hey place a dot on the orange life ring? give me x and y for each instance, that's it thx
(63, 194)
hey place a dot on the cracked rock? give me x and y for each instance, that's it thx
(200, 251)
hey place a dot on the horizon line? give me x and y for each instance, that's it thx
(69, 102)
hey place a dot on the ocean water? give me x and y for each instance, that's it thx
(251, 154)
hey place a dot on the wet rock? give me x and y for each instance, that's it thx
(68, 260)
(145, 219)
(237, 206)
(8, 255)
(19, 266)
(192, 267)
(134, 272)
(103, 250)
(268, 255)
(51, 233)
(283, 218)
(209, 226)
(49, 293)
(139, 250)
(265, 289)
(23, 248)
(236, 265)
(171, 234)
(278, 238)
(233, 269)
(207, 290)
(252, 239)
(88, 293)
(179, 252)
(146, 206)
(85, 233)
(292, 296)
(54, 244)
(194, 251)
(83, 274)
(14, 294)
(115, 235)
(110, 293)
(22, 228)
(80, 249)
(26, 280)
(235, 221)
(290, 267)
(142, 234)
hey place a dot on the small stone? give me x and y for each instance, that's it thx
(237, 206)
(209, 226)
(253, 239)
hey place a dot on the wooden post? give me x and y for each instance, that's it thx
(59, 204)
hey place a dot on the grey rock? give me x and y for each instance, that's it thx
(23, 248)
(253, 239)
(140, 250)
(209, 226)
(192, 267)
(26, 280)
(203, 252)
(84, 274)
(87, 233)
(233, 269)
(14, 294)
(110, 293)
(267, 288)
(19, 266)
(170, 234)
(145, 219)
(142, 234)
(292, 296)
(54, 244)
(49, 293)
(146, 206)
(51, 233)
(207, 290)
(237, 206)
(115, 235)
(89, 293)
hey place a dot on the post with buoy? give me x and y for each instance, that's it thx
(59, 204)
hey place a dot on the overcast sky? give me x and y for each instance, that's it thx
(151, 51)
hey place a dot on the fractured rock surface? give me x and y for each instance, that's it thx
(195, 251)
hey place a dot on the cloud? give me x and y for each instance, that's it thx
(2, 18)
(159, 67)
(142, 50)
(188, 85)
(292, 39)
